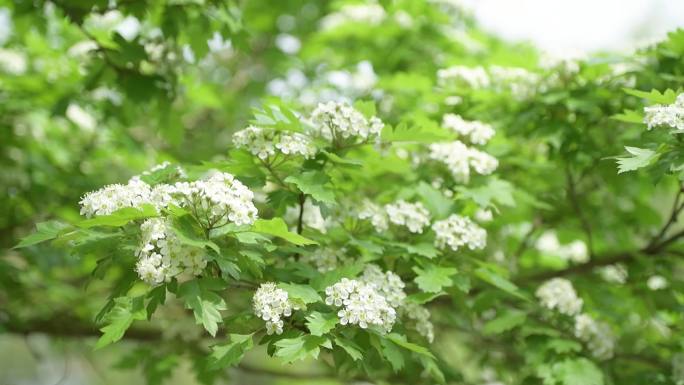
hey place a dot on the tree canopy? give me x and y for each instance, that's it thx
(355, 191)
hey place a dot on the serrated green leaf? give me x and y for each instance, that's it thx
(299, 348)
(354, 350)
(304, 293)
(641, 157)
(120, 217)
(433, 278)
(578, 371)
(504, 322)
(401, 341)
(125, 311)
(313, 183)
(45, 231)
(205, 303)
(230, 354)
(278, 228)
(500, 282)
(321, 323)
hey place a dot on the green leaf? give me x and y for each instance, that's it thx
(366, 107)
(230, 354)
(390, 351)
(562, 346)
(500, 282)
(321, 323)
(189, 234)
(313, 183)
(401, 341)
(120, 217)
(304, 293)
(433, 278)
(641, 157)
(354, 350)
(435, 201)
(342, 161)
(495, 191)
(205, 304)
(667, 97)
(45, 231)
(630, 116)
(278, 228)
(578, 371)
(299, 348)
(504, 322)
(120, 319)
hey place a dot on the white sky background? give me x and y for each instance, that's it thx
(573, 26)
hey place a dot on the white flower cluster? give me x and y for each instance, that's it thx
(477, 132)
(457, 231)
(575, 251)
(361, 304)
(325, 259)
(388, 284)
(312, 217)
(597, 335)
(161, 255)
(616, 273)
(179, 172)
(264, 142)
(337, 121)
(558, 294)
(376, 214)
(520, 82)
(421, 316)
(459, 158)
(473, 77)
(272, 304)
(412, 215)
(671, 115)
(656, 282)
(324, 86)
(219, 199)
(114, 197)
(367, 14)
(484, 215)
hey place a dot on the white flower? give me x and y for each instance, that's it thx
(484, 215)
(656, 282)
(459, 158)
(377, 216)
(161, 255)
(218, 200)
(388, 284)
(614, 273)
(114, 197)
(558, 294)
(519, 81)
(597, 335)
(325, 259)
(412, 215)
(575, 251)
(367, 14)
(671, 115)
(457, 231)
(338, 121)
(421, 316)
(477, 132)
(361, 304)
(264, 142)
(312, 217)
(473, 77)
(13, 62)
(271, 304)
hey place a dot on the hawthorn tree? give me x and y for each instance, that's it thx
(380, 190)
